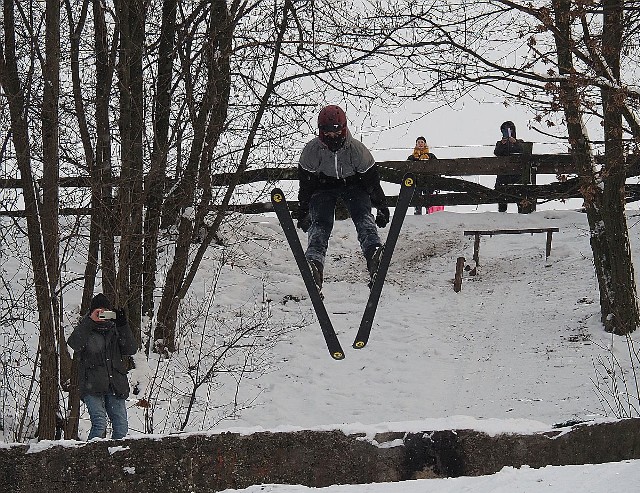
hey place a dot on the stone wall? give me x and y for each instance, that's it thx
(209, 463)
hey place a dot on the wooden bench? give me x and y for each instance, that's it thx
(478, 233)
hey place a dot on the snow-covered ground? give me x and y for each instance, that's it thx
(587, 478)
(600, 478)
(522, 339)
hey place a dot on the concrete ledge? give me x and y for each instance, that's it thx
(211, 462)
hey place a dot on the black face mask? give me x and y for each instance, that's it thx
(334, 143)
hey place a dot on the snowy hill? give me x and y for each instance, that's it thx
(521, 340)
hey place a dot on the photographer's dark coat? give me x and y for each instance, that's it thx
(101, 348)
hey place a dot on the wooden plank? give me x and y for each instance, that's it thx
(218, 179)
(548, 250)
(489, 165)
(549, 164)
(464, 192)
(460, 166)
(476, 250)
(393, 171)
(492, 232)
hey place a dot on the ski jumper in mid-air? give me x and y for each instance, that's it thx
(335, 166)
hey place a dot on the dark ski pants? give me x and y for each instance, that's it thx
(322, 211)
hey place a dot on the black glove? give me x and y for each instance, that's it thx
(121, 318)
(382, 218)
(304, 221)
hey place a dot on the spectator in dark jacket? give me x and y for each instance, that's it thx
(335, 166)
(101, 344)
(421, 153)
(508, 145)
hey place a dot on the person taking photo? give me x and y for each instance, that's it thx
(101, 340)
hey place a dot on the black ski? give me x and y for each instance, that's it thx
(404, 199)
(282, 211)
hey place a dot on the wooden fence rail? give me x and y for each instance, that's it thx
(442, 174)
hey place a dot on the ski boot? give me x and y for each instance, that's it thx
(316, 271)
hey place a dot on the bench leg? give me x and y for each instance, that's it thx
(457, 282)
(549, 235)
(476, 249)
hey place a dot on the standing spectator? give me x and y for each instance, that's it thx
(101, 340)
(335, 165)
(421, 153)
(508, 145)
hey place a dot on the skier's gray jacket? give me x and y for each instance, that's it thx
(352, 164)
(353, 157)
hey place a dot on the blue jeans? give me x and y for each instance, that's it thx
(322, 211)
(101, 406)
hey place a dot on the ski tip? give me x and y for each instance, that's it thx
(359, 344)
(277, 195)
(337, 355)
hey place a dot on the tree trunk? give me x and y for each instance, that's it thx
(136, 256)
(91, 264)
(15, 98)
(582, 155)
(49, 211)
(124, 13)
(154, 187)
(623, 318)
(129, 278)
(207, 128)
(101, 178)
(604, 195)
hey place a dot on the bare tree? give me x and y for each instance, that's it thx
(163, 97)
(155, 180)
(131, 16)
(42, 249)
(18, 364)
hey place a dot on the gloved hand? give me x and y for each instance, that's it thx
(382, 217)
(121, 318)
(304, 221)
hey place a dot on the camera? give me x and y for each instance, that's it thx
(506, 133)
(107, 315)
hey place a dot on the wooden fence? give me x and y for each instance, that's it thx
(445, 175)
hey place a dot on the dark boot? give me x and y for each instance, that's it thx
(373, 260)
